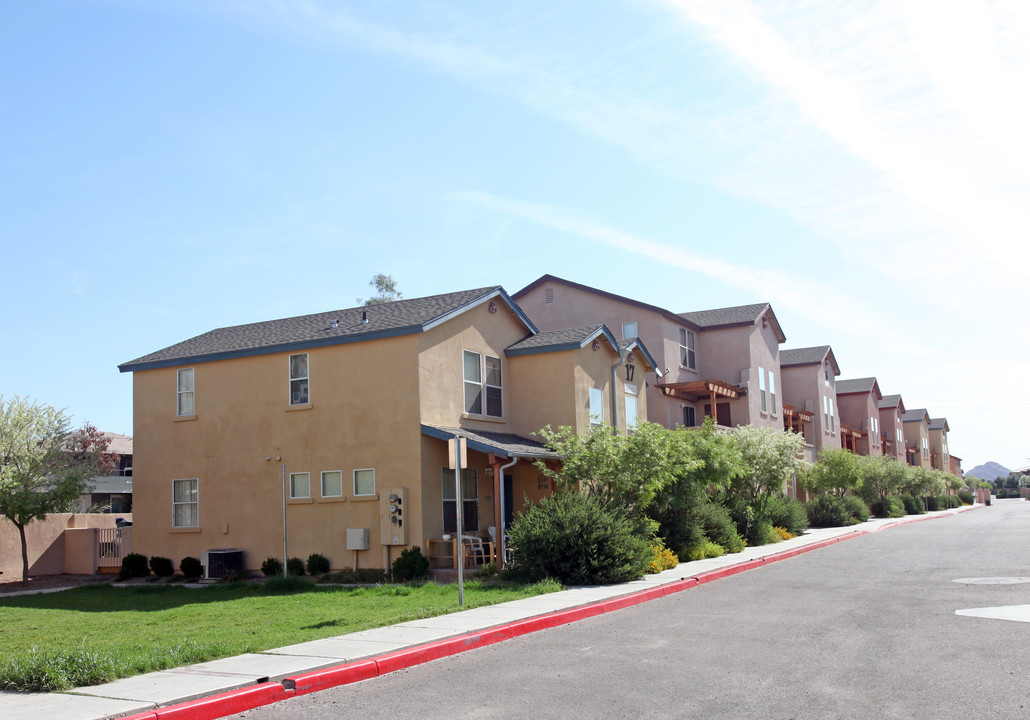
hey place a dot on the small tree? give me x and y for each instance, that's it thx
(882, 477)
(771, 458)
(43, 467)
(386, 290)
(835, 472)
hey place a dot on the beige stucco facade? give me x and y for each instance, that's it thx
(860, 411)
(892, 427)
(370, 404)
(811, 387)
(917, 435)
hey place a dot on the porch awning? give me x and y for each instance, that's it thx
(698, 389)
(846, 430)
(791, 410)
(500, 444)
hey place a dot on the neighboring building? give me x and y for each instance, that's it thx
(917, 437)
(339, 421)
(956, 466)
(892, 431)
(722, 363)
(112, 493)
(810, 396)
(859, 402)
(940, 458)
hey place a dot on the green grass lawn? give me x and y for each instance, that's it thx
(98, 633)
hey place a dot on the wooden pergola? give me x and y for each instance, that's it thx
(795, 419)
(849, 437)
(703, 389)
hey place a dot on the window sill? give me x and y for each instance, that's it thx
(688, 369)
(332, 499)
(184, 418)
(299, 501)
(483, 418)
(365, 498)
(179, 530)
(302, 406)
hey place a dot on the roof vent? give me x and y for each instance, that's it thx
(549, 296)
(364, 317)
(334, 323)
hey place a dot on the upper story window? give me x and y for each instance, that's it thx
(763, 393)
(926, 450)
(299, 379)
(184, 393)
(332, 483)
(483, 389)
(365, 482)
(826, 375)
(629, 330)
(631, 408)
(300, 485)
(901, 436)
(688, 356)
(772, 392)
(874, 428)
(596, 406)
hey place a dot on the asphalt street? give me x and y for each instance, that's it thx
(865, 628)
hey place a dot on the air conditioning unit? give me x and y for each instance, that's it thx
(221, 561)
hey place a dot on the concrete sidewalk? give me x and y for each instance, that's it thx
(222, 687)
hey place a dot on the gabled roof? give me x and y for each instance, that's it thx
(545, 279)
(401, 317)
(917, 415)
(939, 424)
(795, 357)
(891, 401)
(559, 340)
(737, 316)
(503, 444)
(635, 344)
(858, 385)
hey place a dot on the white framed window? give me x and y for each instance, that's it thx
(469, 501)
(299, 379)
(874, 426)
(332, 483)
(833, 420)
(772, 392)
(365, 482)
(632, 421)
(762, 392)
(483, 384)
(300, 485)
(185, 503)
(184, 393)
(629, 330)
(689, 416)
(901, 436)
(688, 355)
(596, 406)
(926, 449)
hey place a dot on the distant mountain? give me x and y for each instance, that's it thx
(989, 471)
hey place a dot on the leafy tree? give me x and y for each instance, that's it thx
(43, 466)
(882, 477)
(386, 290)
(625, 472)
(835, 472)
(770, 458)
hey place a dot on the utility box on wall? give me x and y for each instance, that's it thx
(393, 516)
(357, 538)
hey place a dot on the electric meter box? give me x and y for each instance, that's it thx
(393, 516)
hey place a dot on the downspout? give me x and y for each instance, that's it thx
(501, 529)
(615, 385)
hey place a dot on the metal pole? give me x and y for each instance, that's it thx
(458, 506)
(285, 556)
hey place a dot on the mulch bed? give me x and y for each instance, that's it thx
(48, 582)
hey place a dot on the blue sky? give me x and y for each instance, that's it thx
(173, 166)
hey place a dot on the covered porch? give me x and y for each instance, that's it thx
(707, 390)
(501, 477)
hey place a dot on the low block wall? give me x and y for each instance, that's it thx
(60, 544)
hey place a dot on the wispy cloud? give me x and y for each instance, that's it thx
(791, 291)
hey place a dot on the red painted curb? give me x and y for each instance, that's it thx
(331, 677)
(235, 701)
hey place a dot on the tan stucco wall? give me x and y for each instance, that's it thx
(855, 410)
(48, 550)
(804, 387)
(890, 422)
(363, 414)
(915, 432)
(938, 438)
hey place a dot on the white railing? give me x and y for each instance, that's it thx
(109, 547)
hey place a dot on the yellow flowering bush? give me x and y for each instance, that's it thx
(662, 558)
(783, 534)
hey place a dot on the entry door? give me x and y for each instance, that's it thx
(509, 502)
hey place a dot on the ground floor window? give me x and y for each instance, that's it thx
(300, 485)
(185, 503)
(469, 501)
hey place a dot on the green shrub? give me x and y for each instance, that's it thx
(761, 532)
(487, 570)
(933, 503)
(574, 539)
(966, 497)
(788, 513)
(913, 505)
(410, 565)
(51, 671)
(829, 511)
(235, 575)
(718, 526)
(134, 565)
(856, 507)
(295, 566)
(161, 566)
(893, 508)
(191, 567)
(317, 564)
(271, 567)
(705, 549)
